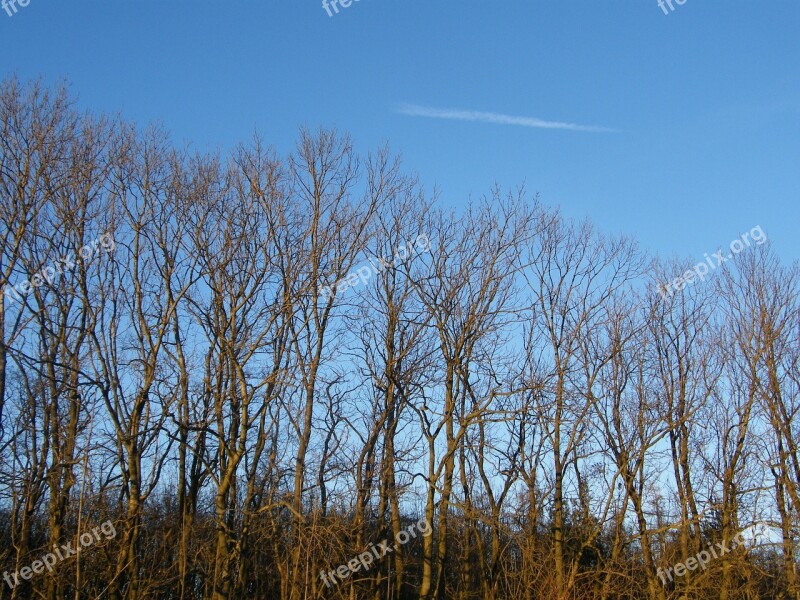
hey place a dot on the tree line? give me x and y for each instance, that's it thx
(225, 385)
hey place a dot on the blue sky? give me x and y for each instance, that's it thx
(704, 101)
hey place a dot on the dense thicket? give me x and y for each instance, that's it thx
(261, 366)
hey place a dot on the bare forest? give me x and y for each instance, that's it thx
(257, 367)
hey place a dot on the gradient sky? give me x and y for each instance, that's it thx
(680, 129)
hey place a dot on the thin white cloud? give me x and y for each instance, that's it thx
(415, 110)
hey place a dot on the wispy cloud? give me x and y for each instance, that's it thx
(415, 110)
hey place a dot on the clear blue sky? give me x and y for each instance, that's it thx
(705, 101)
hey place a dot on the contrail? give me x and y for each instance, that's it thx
(415, 110)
